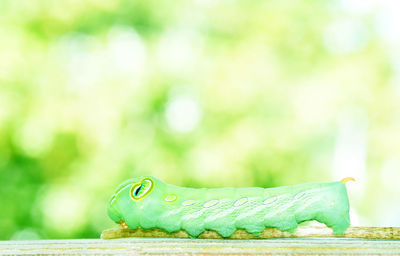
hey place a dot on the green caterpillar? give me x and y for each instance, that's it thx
(147, 202)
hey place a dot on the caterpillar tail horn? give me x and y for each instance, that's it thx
(347, 179)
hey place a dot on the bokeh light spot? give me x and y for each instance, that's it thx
(183, 113)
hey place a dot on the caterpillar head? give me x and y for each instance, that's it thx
(136, 202)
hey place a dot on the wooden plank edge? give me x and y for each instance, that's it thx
(301, 232)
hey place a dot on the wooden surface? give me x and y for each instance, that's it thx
(301, 232)
(174, 246)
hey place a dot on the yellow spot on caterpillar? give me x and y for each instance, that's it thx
(240, 201)
(210, 203)
(347, 179)
(188, 202)
(299, 195)
(170, 198)
(270, 200)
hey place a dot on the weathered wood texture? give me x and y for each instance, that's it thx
(174, 246)
(301, 232)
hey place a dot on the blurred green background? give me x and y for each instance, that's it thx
(199, 93)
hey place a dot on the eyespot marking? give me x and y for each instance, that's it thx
(141, 189)
(170, 198)
(210, 203)
(188, 202)
(137, 190)
(240, 201)
(299, 195)
(270, 200)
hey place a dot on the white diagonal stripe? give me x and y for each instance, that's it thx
(252, 212)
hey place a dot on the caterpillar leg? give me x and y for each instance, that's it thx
(123, 224)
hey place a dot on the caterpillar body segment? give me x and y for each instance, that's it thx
(147, 202)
